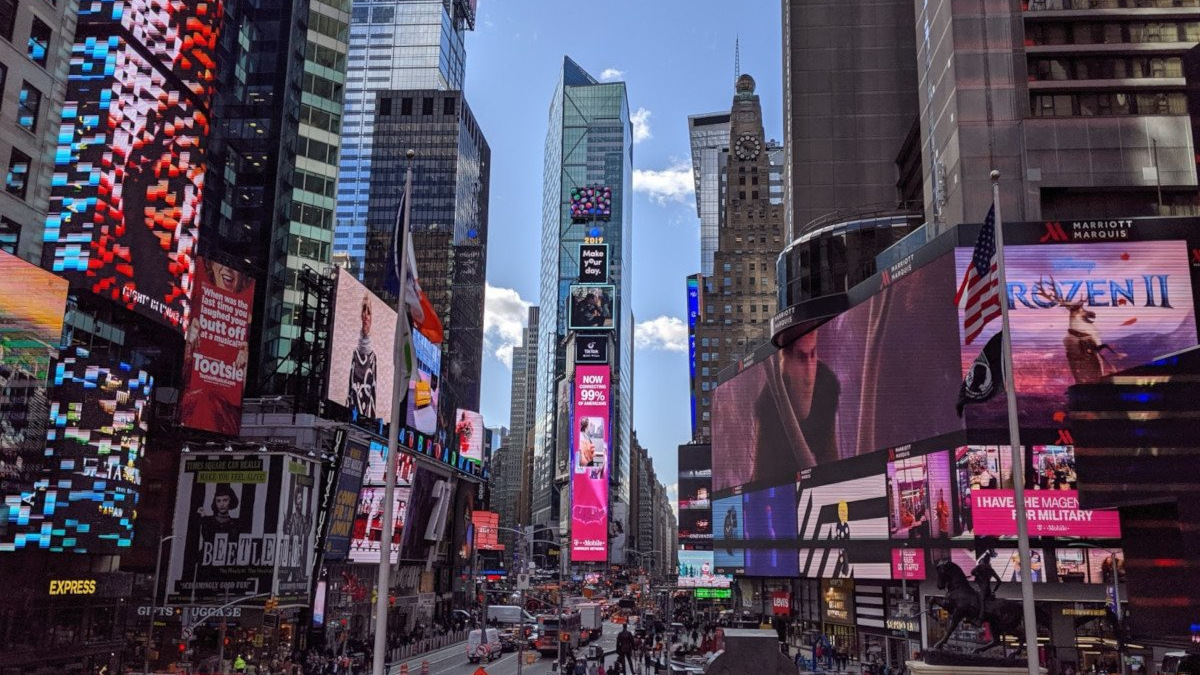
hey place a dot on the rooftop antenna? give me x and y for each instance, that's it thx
(737, 57)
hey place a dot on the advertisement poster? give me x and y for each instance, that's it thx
(1080, 312)
(696, 570)
(770, 516)
(860, 383)
(909, 564)
(593, 263)
(842, 520)
(216, 352)
(920, 496)
(590, 306)
(245, 525)
(344, 506)
(32, 304)
(361, 348)
(728, 552)
(487, 537)
(1007, 563)
(589, 464)
(131, 154)
(367, 531)
(1050, 513)
(423, 386)
(99, 415)
(469, 430)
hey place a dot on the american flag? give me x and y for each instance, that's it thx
(981, 282)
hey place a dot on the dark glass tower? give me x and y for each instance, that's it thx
(448, 218)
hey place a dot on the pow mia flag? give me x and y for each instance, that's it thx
(985, 377)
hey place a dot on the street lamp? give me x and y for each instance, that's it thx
(1116, 598)
(154, 603)
(522, 532)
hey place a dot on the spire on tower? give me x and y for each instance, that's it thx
(737, 56)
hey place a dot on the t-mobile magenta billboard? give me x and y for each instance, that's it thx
(589, 464)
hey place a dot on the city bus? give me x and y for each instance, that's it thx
(551, 629)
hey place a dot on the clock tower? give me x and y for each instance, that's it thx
(739, 299)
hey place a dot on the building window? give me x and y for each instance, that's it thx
(385, 106)
(18, 173)
(8, 18)
(10, 235)
(39, 42)
(426, 106)
(448, 105)
(3, 81)
(29, 103)
(406, 106)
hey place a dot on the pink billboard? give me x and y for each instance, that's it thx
(589, 465)
(908, 563)
(1051, 513)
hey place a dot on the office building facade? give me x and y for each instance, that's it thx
(735, 303)
(845, 119)
(448, 218)
(395, 44)
(35, 55)
(588, 143)
(1079, 105)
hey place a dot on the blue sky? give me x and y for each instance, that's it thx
(677, 58)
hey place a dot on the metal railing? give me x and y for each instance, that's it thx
(426, 645)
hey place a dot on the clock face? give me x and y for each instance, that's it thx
(748, 147)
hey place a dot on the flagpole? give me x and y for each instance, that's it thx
(383, 587)
(1014, 434)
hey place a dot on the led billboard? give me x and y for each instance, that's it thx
(362, 340)
(857, 384)
(217, 349)
(487, 536)
(696, 571)
(469, 430)
(32, 304)
(424, 385)
(244, 524)
(591, 203)
(344, 506)
(131, 159)
(920, 496)
(87, 502)
(367, 532)
(1082, 311)
(591, 306)
(590, 454)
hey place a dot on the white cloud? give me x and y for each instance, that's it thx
(610, 74)
(665, 333)
(641, 125)
(673, 498)
(504, 315)
(673, 184)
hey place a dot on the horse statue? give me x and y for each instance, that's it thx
(1003, 617)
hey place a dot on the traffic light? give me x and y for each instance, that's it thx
(528, 534)
(271, 605)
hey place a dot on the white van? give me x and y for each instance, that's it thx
(509, 614)
(483, 645)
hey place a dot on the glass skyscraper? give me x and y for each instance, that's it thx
(589, 141)
(394, 45)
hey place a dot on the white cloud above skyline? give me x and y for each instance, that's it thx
(673, 184)
(640, 120)
(664, 333)
(610, 74)
(504, 315)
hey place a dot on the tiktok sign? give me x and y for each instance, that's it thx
(590, 453)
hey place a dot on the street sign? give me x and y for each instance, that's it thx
(522, 582)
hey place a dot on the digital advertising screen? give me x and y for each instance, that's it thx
(696, 570)
(695, 527)
(591, 203)
(469, 430)
(424, 385)
(728, 536)
(593, 263)
(244, 524)
(591, 306)
(344, 504)
(769, 516)
(1007, 563)
(1051, 506)
(487, 537)
(920, 496)
(95, 441)
(367, 532)
(131, 158)
(32, 304)
(425, 495)
(860, 383)
(362, 340)
(843, 520)
(217, 348)
(590, 453)
(1080, 312)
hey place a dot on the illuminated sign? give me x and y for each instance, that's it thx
(126, 194)
(591, 306)
(591, 348)
(72, 587)
(591, 203)
(591, 451)
(593, 263)
(838, 605)
(713, 593)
